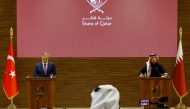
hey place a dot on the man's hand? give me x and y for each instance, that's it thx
(141, 75)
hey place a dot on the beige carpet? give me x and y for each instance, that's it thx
(88, 108)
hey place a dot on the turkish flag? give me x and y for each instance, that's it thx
(10, 85)
(179, 76)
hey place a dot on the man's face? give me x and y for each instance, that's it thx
(153, 59)
(45, 59)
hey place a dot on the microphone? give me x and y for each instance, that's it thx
(158, 71)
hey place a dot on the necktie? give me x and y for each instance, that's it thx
(45, 68)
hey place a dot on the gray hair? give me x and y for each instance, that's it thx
(45, 54)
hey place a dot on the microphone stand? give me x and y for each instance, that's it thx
(158, 72)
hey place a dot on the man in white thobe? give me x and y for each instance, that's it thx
(105, 97)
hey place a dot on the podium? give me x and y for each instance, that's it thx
(40, 92)
(147, 85)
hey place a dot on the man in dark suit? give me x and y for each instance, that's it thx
(45, 68)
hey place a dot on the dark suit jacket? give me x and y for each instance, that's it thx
(156, 70)
(39, 71)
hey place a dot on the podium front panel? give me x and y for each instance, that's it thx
(40, 92)
(149, 85)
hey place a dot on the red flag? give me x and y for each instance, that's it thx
(10, 85)
(179, 76)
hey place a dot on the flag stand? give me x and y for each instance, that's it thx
(12, 106)
(180, 105)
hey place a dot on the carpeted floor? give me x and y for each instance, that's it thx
(88, 108)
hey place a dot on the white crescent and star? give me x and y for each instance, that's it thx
(12, 73)
(11, 58)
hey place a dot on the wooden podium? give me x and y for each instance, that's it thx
(40, 92)
(148, 84)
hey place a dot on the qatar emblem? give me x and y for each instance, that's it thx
(96, 4)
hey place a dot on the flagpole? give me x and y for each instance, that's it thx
(11, 33)
(180, 105)
(11, 106)
(180, 100)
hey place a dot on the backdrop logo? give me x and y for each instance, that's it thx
(99, 19)
(96, 4)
